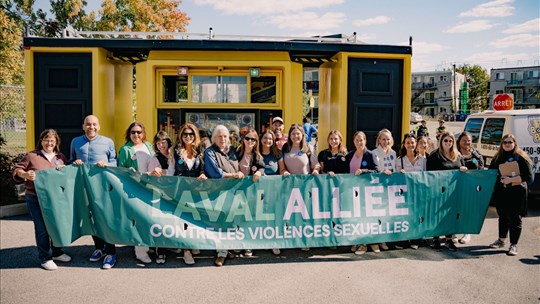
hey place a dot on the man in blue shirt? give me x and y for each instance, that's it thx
(93, 148)
(309, 129)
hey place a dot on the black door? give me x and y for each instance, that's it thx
(375, 99)
(62, 94)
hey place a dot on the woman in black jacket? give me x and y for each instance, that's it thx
(446, 157)
(511, 191)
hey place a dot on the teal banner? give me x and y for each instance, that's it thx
(124, 207)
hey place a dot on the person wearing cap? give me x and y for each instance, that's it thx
(278, 126)
(441, 129)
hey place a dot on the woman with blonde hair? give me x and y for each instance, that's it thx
(446, 157)
(511, 192)
(332, 159)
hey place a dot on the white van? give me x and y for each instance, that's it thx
(488, 127)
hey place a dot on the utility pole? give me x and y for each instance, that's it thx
(454, 90)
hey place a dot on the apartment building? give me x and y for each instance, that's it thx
(523, 82)
(436, 92)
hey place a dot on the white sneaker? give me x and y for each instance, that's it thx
(248, 253)
(188, 258)
(195, 251)
(144, 258)
(465, 239)
(276, 251)
(49, 265)
(62, 258)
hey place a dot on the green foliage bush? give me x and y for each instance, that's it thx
(7, 184)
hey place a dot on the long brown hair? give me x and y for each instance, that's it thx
(242, 147)
(273, 149)
(196, 138)
(517, 149)
(304, 146)
(454, 153)
(128, 131)
(341, 148)
(46, 133)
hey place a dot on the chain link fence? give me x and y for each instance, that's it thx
(12, 139)
(12, 119)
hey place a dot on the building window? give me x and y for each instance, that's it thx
(499, 76)
(219, 89)
(442, 78)
(533, 74)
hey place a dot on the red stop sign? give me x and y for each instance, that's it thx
(503, 102)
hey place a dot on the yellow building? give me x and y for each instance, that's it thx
(211, 81)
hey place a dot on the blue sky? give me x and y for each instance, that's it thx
(493, 34)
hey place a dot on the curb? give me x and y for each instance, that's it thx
(12, 210)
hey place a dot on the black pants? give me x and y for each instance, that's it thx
(510, 203)
(104, 246)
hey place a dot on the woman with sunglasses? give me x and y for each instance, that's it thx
(188, 161)
(299, 156)
(511, 192)
(445, 157)
(46, 155)
(360, 161)
(135, 154)
(250, 161)
(409, 160)
(273, 160)
(473, 160)
(220, 161)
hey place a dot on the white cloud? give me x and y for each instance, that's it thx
(264, 7)
(307, 21)
(371, 21)
(423, 48)
(521, 40)
(529, 26)
(473, 26)
(497, 8)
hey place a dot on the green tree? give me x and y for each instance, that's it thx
(478, 80)
(11, 55)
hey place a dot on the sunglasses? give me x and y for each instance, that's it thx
(508, 142)
(136, 132)
(250, 138)
(447, 140)
(186, 134)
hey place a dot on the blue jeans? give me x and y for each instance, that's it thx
(44, 245)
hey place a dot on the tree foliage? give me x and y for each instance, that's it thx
(478, 80)
(11, 55)
(141, 16)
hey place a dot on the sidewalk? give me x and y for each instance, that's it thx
(472, 274)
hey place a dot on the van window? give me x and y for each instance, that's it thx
(493, 131)
(473, 126)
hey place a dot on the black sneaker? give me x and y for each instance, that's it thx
(497, 244)
(436, 244)
(451, 246)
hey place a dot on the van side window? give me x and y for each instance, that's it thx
(473, 126)
(493, 131)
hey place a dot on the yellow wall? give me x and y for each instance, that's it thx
(103, 90)
(333, 89)
(148, 80)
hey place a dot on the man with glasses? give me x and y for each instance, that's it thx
(92, 148)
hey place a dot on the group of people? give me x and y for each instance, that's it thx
(271, 153)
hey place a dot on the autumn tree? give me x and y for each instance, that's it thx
(11, 56)
(141, 16)
(478, 80)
